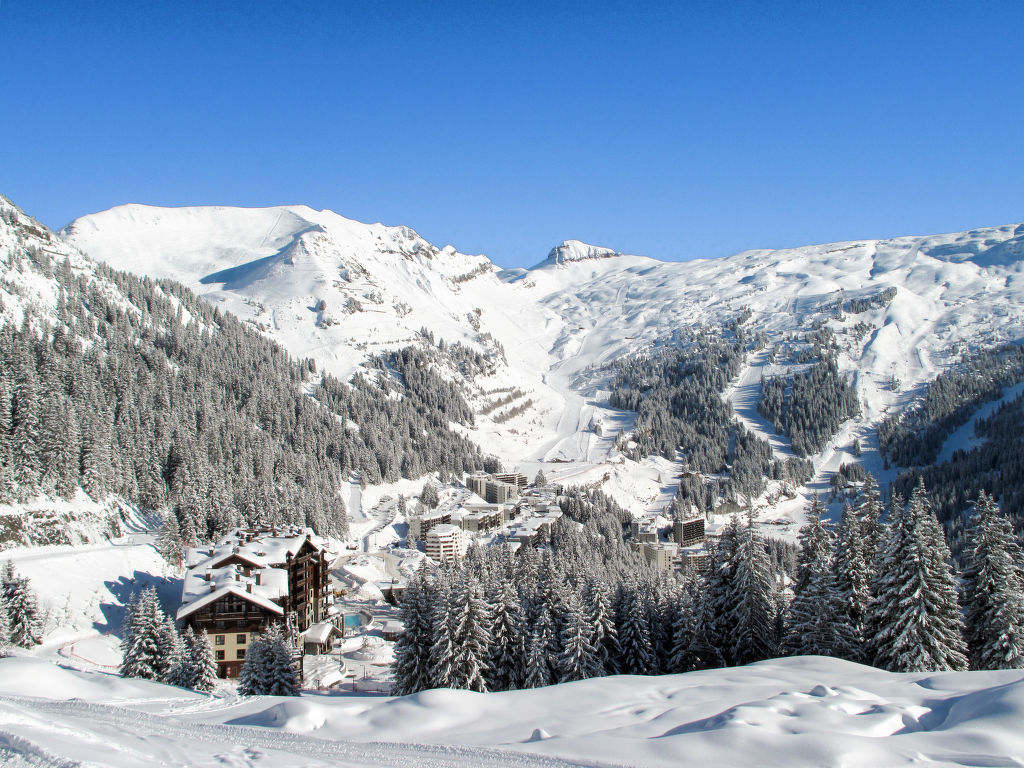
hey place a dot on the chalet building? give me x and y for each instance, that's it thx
(251, 579)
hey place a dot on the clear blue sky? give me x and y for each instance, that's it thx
(673, 130)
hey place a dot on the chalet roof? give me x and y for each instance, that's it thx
(211, 597)
(203, 586)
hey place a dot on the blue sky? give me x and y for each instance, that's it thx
(673, 130)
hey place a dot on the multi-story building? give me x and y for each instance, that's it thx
(251, 579)
(688, 532)
(661, 555)
(496, 489)
(445, 543)
(420, 524)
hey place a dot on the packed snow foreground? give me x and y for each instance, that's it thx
(809, 711)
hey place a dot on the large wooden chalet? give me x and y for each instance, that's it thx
(251, 579)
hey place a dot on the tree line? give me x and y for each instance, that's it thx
(880, 589)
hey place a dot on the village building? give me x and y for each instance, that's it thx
(446, 544)
(421, 523)
(253, 578)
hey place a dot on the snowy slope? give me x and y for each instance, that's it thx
(337, 291)
(793, 712)
(580, 308)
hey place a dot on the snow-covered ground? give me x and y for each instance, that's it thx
(810, 711)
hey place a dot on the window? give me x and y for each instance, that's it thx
(218, 639)
(240, 653)
(240, 639)
(220, 655)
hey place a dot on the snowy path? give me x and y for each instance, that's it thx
(964, 439)
(745, 394)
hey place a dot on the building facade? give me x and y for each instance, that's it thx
(253, 578)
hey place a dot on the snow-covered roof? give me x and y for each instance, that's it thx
(444, 530)
(320, 632)
(259, 548)
(203, 586)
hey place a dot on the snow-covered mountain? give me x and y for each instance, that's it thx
(337, 290)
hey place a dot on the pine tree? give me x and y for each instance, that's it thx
(182, 671)
(508, 644)
(717, 610)
(442, 648)
(412, 649)
(816, 622)
(269, 667)
(634, 635)
(204, 664)
(169, 543)
(471, 636)
(604, 637)
(280, 664)
(148, 647)
(914, 614)
(993, 593)
(578, 659)
(851, 574)
(22, 609)
(538, 669)
(754, 611)
(5, 628)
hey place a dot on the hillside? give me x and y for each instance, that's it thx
(131, 395)
(891, 314)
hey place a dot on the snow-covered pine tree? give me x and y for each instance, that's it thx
(471, 636)
(269, 668)
(538, 668)
(637, 656)
(993, 590)
(412, 649)
(169, 543)
(600, 613)
(578, 659)
(204, 664)
(852, 569)
(716, 613)
(147, 646)
(22, 609)
(868, 509)
(5, 630)
(508, 643)
(754, 606)
(914, 614)
(182, 672)
(253, 679)
(816, 624)
(684, 657)
(279, 662)
(442, 648)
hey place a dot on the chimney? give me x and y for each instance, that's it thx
(211, 552)
(213, 587)
(209, 575)
(258, 579)
(248, 587)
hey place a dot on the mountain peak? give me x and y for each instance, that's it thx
(574, 250)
